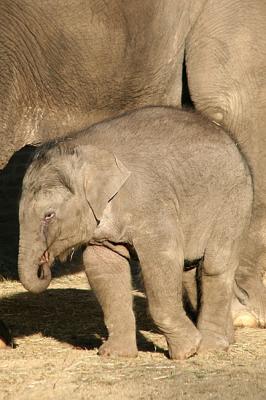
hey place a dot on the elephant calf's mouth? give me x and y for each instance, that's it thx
(43, 270)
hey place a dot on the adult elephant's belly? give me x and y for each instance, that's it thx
(65, 65)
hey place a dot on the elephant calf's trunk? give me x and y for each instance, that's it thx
(34, 277)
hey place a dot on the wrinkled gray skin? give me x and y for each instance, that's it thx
(66, 64)
(165, 182)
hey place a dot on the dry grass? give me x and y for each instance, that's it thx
(48, 364)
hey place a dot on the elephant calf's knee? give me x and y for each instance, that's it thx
(164, 321)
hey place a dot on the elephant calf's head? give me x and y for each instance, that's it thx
(64, 194)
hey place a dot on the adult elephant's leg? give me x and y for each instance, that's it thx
(226, 67)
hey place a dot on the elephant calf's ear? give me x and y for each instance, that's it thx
(103, 180)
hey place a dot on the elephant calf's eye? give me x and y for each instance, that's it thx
(48, 216)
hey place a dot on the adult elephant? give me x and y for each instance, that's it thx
(226, 67)
(67, 64)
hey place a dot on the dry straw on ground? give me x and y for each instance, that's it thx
(57, 334)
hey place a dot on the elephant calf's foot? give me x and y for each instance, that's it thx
(212, 341)
(119, 347)
(185, 345)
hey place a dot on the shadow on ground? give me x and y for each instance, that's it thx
(72, 316)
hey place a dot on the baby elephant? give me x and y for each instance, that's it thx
(164, 182)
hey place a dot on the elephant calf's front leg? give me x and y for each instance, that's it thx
(109, 276)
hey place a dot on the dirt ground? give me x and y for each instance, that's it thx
(57, 334)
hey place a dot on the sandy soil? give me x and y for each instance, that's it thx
(57, 334)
